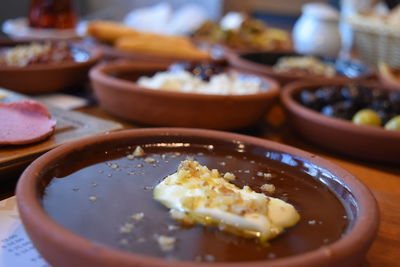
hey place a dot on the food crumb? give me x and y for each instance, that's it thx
(268, 175)
(149, 160)
(229, 176)
(100, 171)
(130, 156)
(138, 216)
(114, 166)
(126, 228)
(93, 198)
(123, 241)
(94, 184)
(148, 188)
(109, 175)
(166, 243)
(312, 222)
(246, 171)
(271, 255)
(209, 257)
(269, 188)
(222, 163)
(260, 173)
(344, 217)
(139, 165)
(138, 152)
(172, 227)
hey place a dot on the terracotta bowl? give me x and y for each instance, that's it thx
(46, 78)
(262, 62)
(389, 77)
(339, 135)
(115, 88)
(61, 247)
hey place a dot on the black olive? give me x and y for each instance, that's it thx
(394, 98)
(328, 95)
(308, 99)
(342, 109)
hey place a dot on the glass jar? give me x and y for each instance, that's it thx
(56, 14)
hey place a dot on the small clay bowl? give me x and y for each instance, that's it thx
(388, 77)
(115, 88)
(47, 78)
(339, 135)
(263, 62)
(62, 247)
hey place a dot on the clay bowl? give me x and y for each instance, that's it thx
(263, 62)
(47, 78)
(62, 247)
(389, 77)
(342, 136)
(115, 88)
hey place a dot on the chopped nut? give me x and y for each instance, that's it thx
(229, 176)
(149, 160)
(172, 227)
(209, 257)
(269, 188)
(138, 216)
(114, 166)
(148, 188)
(138, 152)
(139, 165)
(130, 156)
(126, 228)
(93, 198)
(109, 175)
(123, 241)
(260, 174)
(166, 243)
(312, 222)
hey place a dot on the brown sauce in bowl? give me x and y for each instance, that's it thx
(95, 197)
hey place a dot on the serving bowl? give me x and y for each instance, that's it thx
(115, 88)
(63, 247)
(339, 135)
(263, 62)
(46, 78)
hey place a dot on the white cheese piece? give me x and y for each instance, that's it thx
(196, 194)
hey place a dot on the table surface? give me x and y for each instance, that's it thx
(383, 180)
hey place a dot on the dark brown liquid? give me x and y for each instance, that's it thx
(124, 189)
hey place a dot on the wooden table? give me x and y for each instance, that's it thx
(383, 180)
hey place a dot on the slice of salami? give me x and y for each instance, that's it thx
(24, 122)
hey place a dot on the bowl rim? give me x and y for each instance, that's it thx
(363, 231)
(287, 98)
(236, 59)
(94, 57)
(99, 74)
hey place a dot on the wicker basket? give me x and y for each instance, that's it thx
(376, 41)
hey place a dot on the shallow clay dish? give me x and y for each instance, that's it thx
(61, 246)
(389, 77)
(339, 135)
(115, 88)
(46, 78)
(263, 62)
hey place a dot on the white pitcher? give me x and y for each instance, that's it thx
(316, 32)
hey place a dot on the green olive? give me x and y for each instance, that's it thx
(393, 123)
(367, 117)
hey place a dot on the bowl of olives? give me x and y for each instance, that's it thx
(359, 120)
